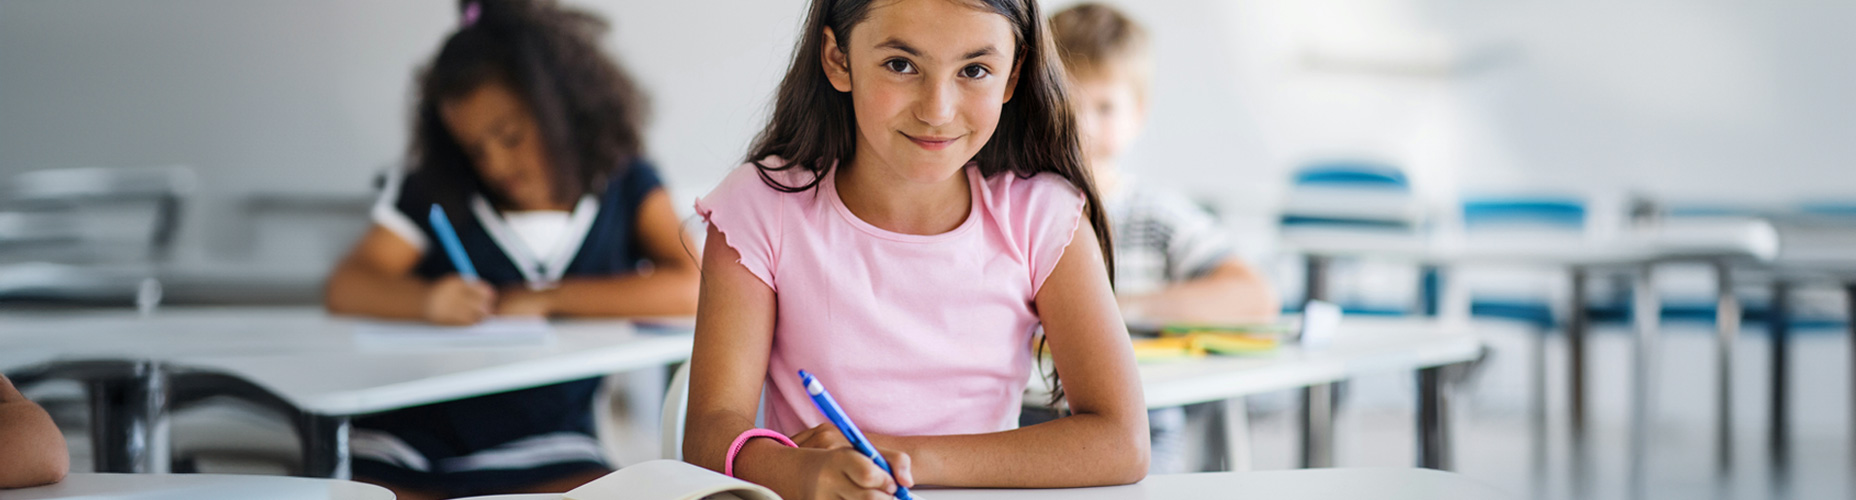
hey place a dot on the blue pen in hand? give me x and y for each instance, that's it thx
(448, 237)
(832, 411)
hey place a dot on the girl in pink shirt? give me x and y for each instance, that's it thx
(916, 209)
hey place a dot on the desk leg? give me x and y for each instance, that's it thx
(1576, 329)
(1537, 415)
(325, 447)
(1849, 295)
(1434, 443)
(128, 419)
(1646, 313)
(1727, 322)
(1236, 422)
(1779, 441)
(1318, 404)
(1318, 401)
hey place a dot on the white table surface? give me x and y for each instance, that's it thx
(1748, 238)
(314, 360)
(1363, 345)
(198, 487)
(1304, 484)
(1819, 250)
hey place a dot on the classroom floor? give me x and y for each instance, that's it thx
(1494, 443)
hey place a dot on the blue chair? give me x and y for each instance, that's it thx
(1531, 213)
(1350, 195)
(1347, 178)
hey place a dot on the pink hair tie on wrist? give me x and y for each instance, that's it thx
(728, 468)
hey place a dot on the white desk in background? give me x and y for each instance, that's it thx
(1303, 484)
(1361, 346)
(1721, 242)
(198, 486)
(299, 358)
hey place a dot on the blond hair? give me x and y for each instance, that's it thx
(1096, 40)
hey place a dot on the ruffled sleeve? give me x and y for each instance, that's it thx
(1046, 210)
(750, 215)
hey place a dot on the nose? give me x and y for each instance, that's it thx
(937, 103)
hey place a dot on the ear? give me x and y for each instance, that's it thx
(837, 63)
(1011, 82)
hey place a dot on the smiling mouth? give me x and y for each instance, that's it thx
(932, 143)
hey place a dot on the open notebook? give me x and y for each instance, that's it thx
(668, 480)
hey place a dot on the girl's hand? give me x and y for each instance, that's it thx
(455, 301)
(525, 302)
(824, 436)
(843, 473)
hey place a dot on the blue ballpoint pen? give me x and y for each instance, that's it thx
(448, 237)
(835, 413)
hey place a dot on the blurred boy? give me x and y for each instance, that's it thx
(1173, 264)
(32, 451)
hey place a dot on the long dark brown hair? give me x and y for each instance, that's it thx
(590, 113)
(813, 126)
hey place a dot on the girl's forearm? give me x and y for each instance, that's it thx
(354, 290)
(663, 292)
(1076, 451)
(34, 451)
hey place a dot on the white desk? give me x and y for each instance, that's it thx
(1363, 345)
(1303, 484)
(198, 486)
(305, 360)
(1718, 241)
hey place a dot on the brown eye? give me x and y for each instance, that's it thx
(900, 66)
(975, 72)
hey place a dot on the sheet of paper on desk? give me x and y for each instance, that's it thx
(496, 331)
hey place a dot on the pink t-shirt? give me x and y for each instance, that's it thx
(913, 334)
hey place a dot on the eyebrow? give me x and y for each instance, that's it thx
(900, 45)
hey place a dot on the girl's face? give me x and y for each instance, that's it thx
(499, 134)
(927, 79)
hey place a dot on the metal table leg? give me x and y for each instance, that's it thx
(1727, 323)
(1849, 294)
(128, 418)
(1646, 313)
(1318, 426)
(1576, 329)
(1537, 414)
(1434, 443)
(1318, 401)
(1236, 422)
(1779, 441)
(325, 447)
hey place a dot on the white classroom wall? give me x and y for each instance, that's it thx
(1709, 100)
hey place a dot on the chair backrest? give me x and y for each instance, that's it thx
(98, 207)
(1546, 212)
(676, 407)
(1351, 195)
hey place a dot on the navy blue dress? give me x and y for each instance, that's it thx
(495, 443)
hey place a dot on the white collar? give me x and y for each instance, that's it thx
(539, 274)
